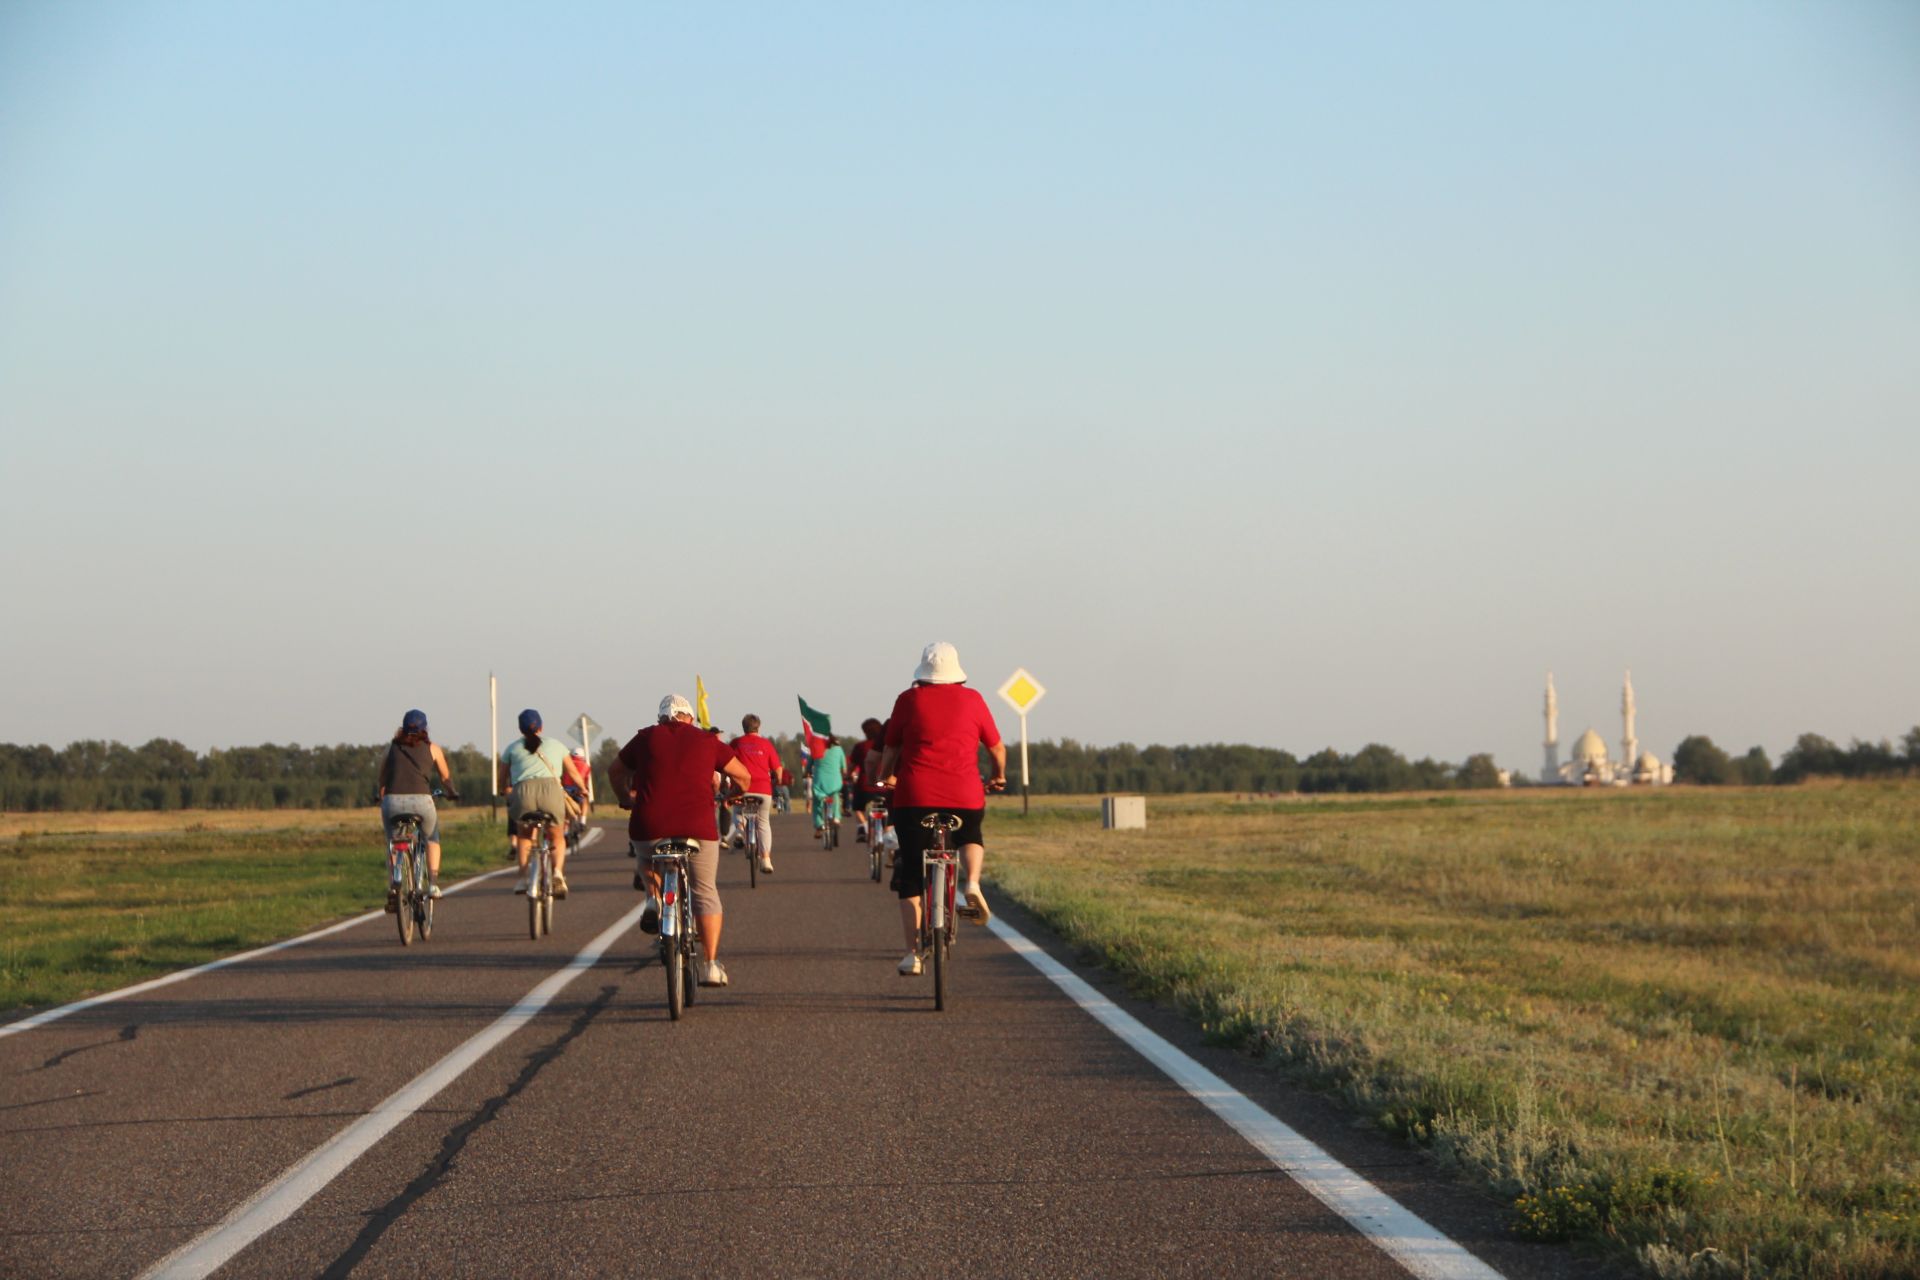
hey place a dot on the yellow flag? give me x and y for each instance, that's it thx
(700, 703)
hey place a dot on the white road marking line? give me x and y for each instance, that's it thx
(280, 1199)
(45, 1016)
(1403, 1235)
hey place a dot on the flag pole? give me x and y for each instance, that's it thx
(493, 757)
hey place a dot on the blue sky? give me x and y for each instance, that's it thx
(1300, 374)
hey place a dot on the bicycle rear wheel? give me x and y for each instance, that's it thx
(753, 855)
(403, 916)
(534, 889)
(676, 977)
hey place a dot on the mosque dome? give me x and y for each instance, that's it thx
(1590, 749)
(1648, 762)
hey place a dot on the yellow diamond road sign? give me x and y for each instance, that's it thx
(1021, 691)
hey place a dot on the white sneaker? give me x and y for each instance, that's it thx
(711, 974)
(434, 892)
(525, 882)
(910, 967)
(766, 865)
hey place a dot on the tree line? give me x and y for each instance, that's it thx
(1699, 761)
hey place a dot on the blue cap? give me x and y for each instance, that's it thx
(415, 721)
(529, 721)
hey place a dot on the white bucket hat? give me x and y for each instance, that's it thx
(674, 705)
(940, 664)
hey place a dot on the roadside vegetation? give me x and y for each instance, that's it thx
(1679, 1024)
(89, 906)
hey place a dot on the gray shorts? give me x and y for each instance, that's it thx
(705, 866)
(536, 794)
(391, 806)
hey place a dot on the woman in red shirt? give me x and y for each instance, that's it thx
(932, 761)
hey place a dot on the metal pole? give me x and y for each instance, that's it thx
(586, 745)
(1023, 764)
(493, 759)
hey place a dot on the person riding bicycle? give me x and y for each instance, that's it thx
(933, 741)
(668, 771)
(762, 759)
(864, 773)
(829, 780)
(532, 771)
(577, 791)
(406, 786)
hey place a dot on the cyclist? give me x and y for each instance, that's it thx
(933, 741)
(829, 779)
(406, 786)
(762, 759)
(668, 770)
(533, 770)
(864, 762)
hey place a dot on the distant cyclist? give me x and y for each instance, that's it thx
(533, 769)
(829, 780)
(668, 771)
(407, 774)
(762, 759)
(932, 756)
(863, 769)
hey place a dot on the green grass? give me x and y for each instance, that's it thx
(1680, 1023)
(83, 912)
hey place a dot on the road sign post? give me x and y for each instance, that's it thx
(1020, 692)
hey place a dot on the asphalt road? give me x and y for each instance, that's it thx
(817, 1117)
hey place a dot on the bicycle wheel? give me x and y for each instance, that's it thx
(676, 975)
(424, 879)
(753, 855)
(403, 916)
(546, 913)
(686, 970)
(534, 890)
(938, 936)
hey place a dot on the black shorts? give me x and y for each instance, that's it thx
(909, 878)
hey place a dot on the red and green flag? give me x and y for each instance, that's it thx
(814, 728)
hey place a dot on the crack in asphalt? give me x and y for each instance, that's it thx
(319, 1088)
(457, 1138)
(127, 1035)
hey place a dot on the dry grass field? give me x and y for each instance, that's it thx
(1681, 1024)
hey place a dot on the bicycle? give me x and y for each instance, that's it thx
(408, 879)
(533, 827)
(748, 815)
(876, 811)
(829, 807)
(576, 822)
(679, 935)
(940, 880)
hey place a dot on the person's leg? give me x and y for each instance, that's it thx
(910, 921)
(971, 856)
(557, 837)
(705, 868)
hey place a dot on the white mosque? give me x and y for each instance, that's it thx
(1590, 765)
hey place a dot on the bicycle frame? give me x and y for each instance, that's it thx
(679, 933)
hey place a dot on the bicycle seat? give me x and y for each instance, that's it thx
(951, 821)
(540, 816)
(751, 802)
(673, 847)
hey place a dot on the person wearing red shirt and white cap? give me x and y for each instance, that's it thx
(931, 759)
(668, 771)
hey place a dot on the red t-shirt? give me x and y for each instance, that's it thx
(866, 756)
(762, 759)
(939, 729)
(673, 766)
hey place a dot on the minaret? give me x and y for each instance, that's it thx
(1628, 743)
(1550, 771)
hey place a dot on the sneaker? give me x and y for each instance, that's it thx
(525, 882)
(910, 967)
(650, 915)
(976, 909)
(766, 865)
(739, 842)
(860, 834)
(559, 885)
(710, 973)
(393, 900)
(433, 891)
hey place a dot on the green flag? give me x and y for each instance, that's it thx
(818, 721)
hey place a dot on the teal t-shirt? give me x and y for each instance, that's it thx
(830, 771)
(549, 762)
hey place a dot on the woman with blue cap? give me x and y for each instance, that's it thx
(532, 770)
(407, 776)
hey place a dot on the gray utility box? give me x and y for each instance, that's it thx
(1123, 813)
